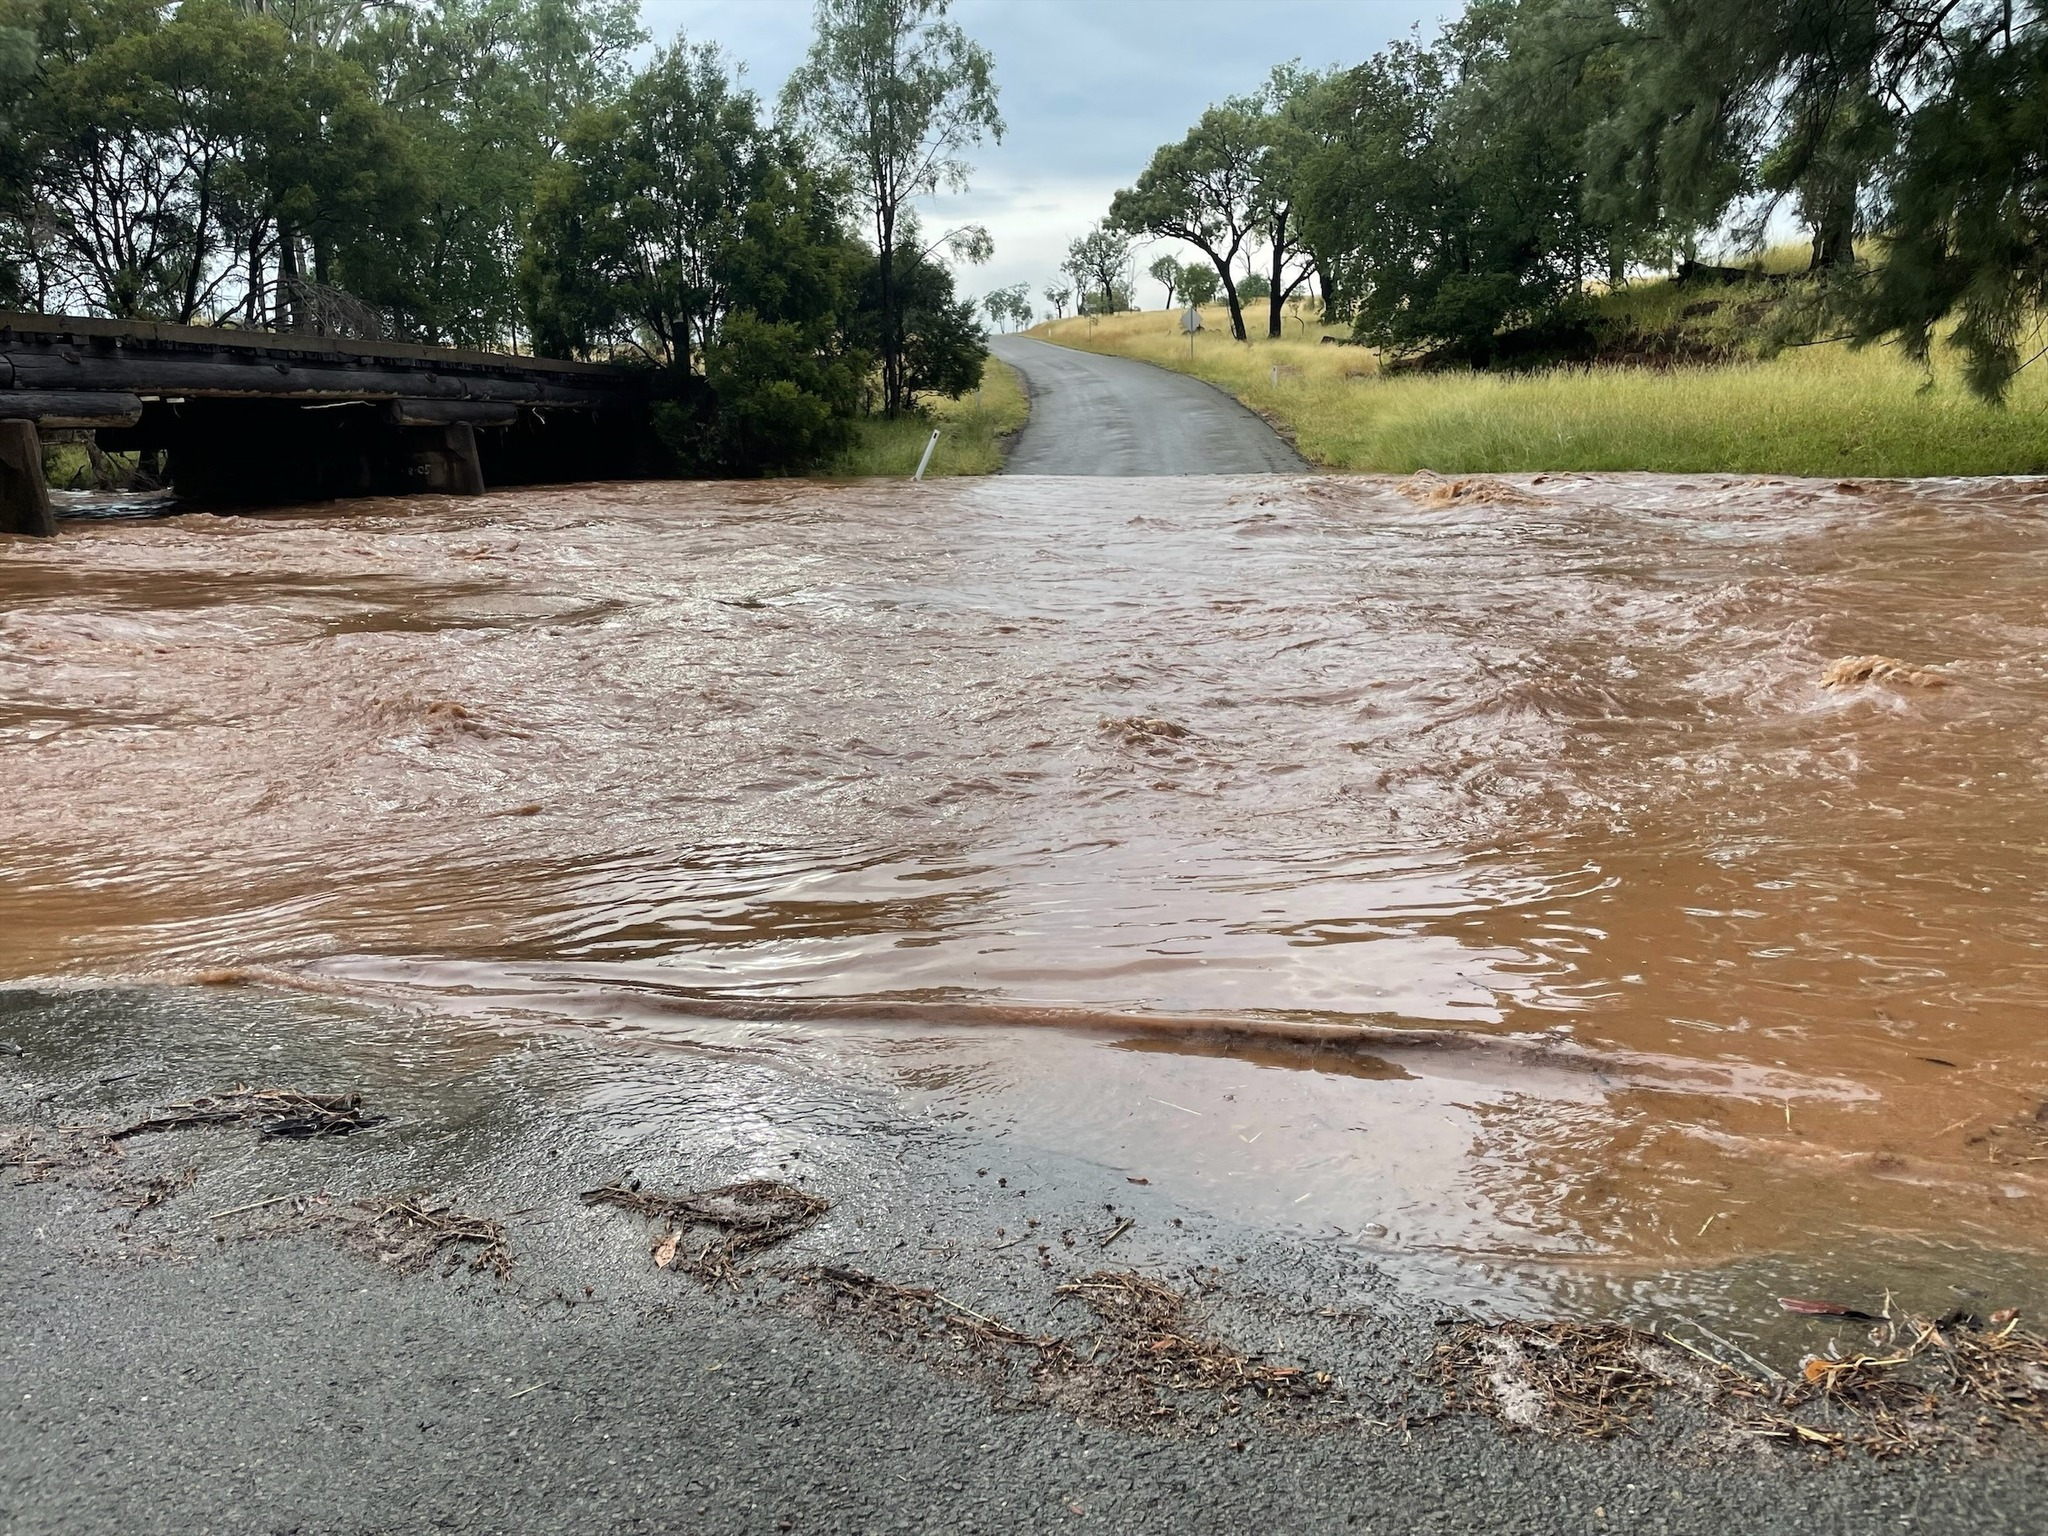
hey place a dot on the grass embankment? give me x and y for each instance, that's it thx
(972, 430)
(1815, 410)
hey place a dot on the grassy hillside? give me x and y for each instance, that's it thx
(972, 430)
(1816, 410)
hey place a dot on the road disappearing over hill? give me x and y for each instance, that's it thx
(1096, 415)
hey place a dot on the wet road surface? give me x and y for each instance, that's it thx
(210, 1362)
(1095, 415)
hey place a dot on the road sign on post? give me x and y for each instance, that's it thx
(1191, 322)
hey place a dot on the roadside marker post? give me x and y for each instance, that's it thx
(926, 460)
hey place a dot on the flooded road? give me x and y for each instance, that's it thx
(1478, 873)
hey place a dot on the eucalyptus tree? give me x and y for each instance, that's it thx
(635, 223)
(1101, 260)
(1165, 271)
(897, 95)
(1289, 114)
(1009, 306)
(1059, 297)
(160, 150)
(1198, 283)
(1204, 191)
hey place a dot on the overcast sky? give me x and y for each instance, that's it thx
(1089, 88)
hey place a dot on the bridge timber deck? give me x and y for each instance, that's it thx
(254, 416)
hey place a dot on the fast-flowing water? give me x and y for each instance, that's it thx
(1481, 873)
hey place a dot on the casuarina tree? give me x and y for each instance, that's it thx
(897, 95)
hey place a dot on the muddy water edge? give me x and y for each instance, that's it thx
(1487, 877)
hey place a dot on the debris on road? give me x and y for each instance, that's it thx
(745, 1217)
(280, 1112)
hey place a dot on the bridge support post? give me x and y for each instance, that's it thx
(24, 494)
(447, 461)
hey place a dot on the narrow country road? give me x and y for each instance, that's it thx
(1096, 415)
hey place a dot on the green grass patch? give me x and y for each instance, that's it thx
(1823, 410)
(973, 432)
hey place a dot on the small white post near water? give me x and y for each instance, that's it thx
(928, 447)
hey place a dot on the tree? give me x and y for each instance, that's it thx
(1198, 284)
(1100, 261)
(1008, 306)
(1059, 298)
(1964, 205)
(487, 90)
(634, 226)
(1733, 108)
(897, 94)
(1203, 191)
(942, 346)
(17, 69)
(158, 151)
(1293, 113)
(677, 225)
(1451, 216)
(1166, 271)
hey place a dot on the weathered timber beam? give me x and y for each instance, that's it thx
(441, 413)
(22, 328)
(70, 408)
(24, 494)
(256, 378)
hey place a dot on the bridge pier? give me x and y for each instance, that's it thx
(24, 495)
(445, 459)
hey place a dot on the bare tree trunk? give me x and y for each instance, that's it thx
(892, 341)
(1834, 234)
(287, 275)
(252, 304)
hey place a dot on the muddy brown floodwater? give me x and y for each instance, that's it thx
(1482, 874)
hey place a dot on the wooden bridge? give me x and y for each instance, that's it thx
(254, 416)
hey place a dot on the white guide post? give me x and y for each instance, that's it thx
(926, 460)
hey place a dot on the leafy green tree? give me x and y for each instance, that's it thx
(1964, 206)
(1449, 216)
(1199, 283)
(1009, 306)
(1254, 286)
(1734, 106)
(1059, 298)
(897, 95)
(1204, 191)
(1290, 114)
(677, 225)
(634, 225)
(17, 69)
(942, 345)
(1100, 261)
(1166, 272)
(486, 89)
(782, 402)
(155, 147)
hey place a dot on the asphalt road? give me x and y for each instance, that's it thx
(1096, 415)
(206, 1364)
